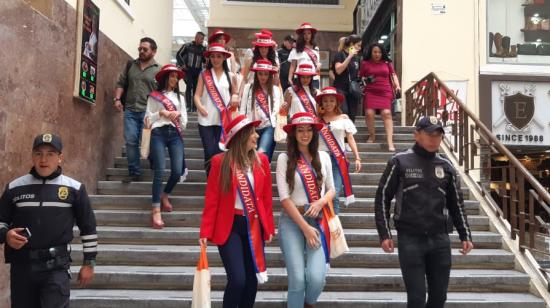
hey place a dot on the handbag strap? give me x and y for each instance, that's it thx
(203, 260)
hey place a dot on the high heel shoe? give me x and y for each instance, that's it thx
(370, 139)
(166, 206)
(156, 219)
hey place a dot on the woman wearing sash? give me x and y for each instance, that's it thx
(338, 127)
(301, 96)
(261, 101)
(220, 37)
(238, 215)
(215, 98)
(168, 117)
(306, 51)
(304, 181)
(264, 49)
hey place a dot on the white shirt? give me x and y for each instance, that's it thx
(298, 195)
(213, 117)
(296, 105)
(339, 128)
(303, 57)
(154, 107)
(238, 202)
(258, 114)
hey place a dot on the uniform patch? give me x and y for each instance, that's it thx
(63, 193)
(47, 138)
(433, 120)
(439, 172)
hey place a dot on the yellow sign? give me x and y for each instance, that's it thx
(63, 193)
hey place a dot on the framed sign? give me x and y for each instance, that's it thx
(87, 52)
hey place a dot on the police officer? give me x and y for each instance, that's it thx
(37, 215)
(428, 202)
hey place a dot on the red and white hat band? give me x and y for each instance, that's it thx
(329, 92)
(262, 66)
(303, 120)
(264, 41)
(305, 69)
(235, 129)
(217, 49)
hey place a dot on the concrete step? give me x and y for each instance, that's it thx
(189, 235)
(194, 189)
(196, 203)
(90, 298)
(358, 257)
(338, 279)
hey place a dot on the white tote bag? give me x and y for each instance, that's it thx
(338, 243)
(201, 283)
(145, 138)
(280, 135)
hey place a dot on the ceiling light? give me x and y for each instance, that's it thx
(384, 37)
(380, 41)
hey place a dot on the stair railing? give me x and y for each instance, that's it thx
(516, 196)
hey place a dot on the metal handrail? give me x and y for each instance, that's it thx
(469, 137)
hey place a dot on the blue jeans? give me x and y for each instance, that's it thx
(266, 143)
(425, 258)
(306, 267)
(338, 184)
(162, 137)
(236, 256)
(133, 124)
(210, 136)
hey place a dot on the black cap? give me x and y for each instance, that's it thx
(429, 124)
(50, 139)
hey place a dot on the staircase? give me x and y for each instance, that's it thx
(141, 267)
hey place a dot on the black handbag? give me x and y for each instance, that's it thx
(527, 49)
(355, 86)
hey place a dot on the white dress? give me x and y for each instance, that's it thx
(213, 117)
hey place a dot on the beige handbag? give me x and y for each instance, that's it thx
(145, 138)
(338, 243)
(280, 135)
(201, 283)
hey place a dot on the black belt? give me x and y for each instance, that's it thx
(48, 253)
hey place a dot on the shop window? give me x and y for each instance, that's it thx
(518, 31)
(317, 2)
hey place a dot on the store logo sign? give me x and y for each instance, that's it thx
(519, 109)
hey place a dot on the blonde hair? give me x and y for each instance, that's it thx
(341, 43)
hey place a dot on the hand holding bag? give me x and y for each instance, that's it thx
(338, 243)
(145, 138)
(201, 282)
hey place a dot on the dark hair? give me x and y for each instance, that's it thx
(301, 42)
(297, 84)
(270, 55)
(256, 85)
(163, 84)
(368, 54)
(352, 40)
(289, 38)
(200, 33)
(293, 154)
(225, 70)
(151, 42)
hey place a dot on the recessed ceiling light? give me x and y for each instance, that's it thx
(384, 37)
(380, 41)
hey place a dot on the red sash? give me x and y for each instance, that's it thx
(343, 164)
(248, 199)
(261, 100)
(312, 56)
(313, 193)
(305, 101)
(168, 105)
(215, 96)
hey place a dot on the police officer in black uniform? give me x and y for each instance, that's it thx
(37, 215)
(428, 201)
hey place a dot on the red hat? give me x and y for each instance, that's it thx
(217, 33)
(236, 125)
(302, 118)
(306, 26)
(216, 47)
(167, 69)
(263, 40)
(328, 91)
(305, 69)
(263, 66)
(264, 31)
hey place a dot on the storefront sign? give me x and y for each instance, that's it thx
(520, 112)
(87, 50)
(439, 9)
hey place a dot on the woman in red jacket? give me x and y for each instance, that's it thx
(238, 215)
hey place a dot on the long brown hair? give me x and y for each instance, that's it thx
(294, 154)
(237, 157)
(256, 85)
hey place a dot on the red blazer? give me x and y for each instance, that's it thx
(219, 207)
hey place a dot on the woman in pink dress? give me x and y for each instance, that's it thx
(379, 91)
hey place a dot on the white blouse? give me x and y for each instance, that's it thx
(258, 114)
(339, 128)
(298, 195)
(154, 107)
(303, 57)
(213, 117)
(296, 105)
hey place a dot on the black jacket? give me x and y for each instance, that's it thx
(426, 188)
(190, 57)
(49, 207)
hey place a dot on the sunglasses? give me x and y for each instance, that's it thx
(143, 49)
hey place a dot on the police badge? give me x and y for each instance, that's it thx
(439, 172)
(63, 193)
(433, 120)
(47, 138)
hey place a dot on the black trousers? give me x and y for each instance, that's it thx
(44, 289)
(349, 106)
(191, 79)
(236, 256)
(210, 137)
(425, 258)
